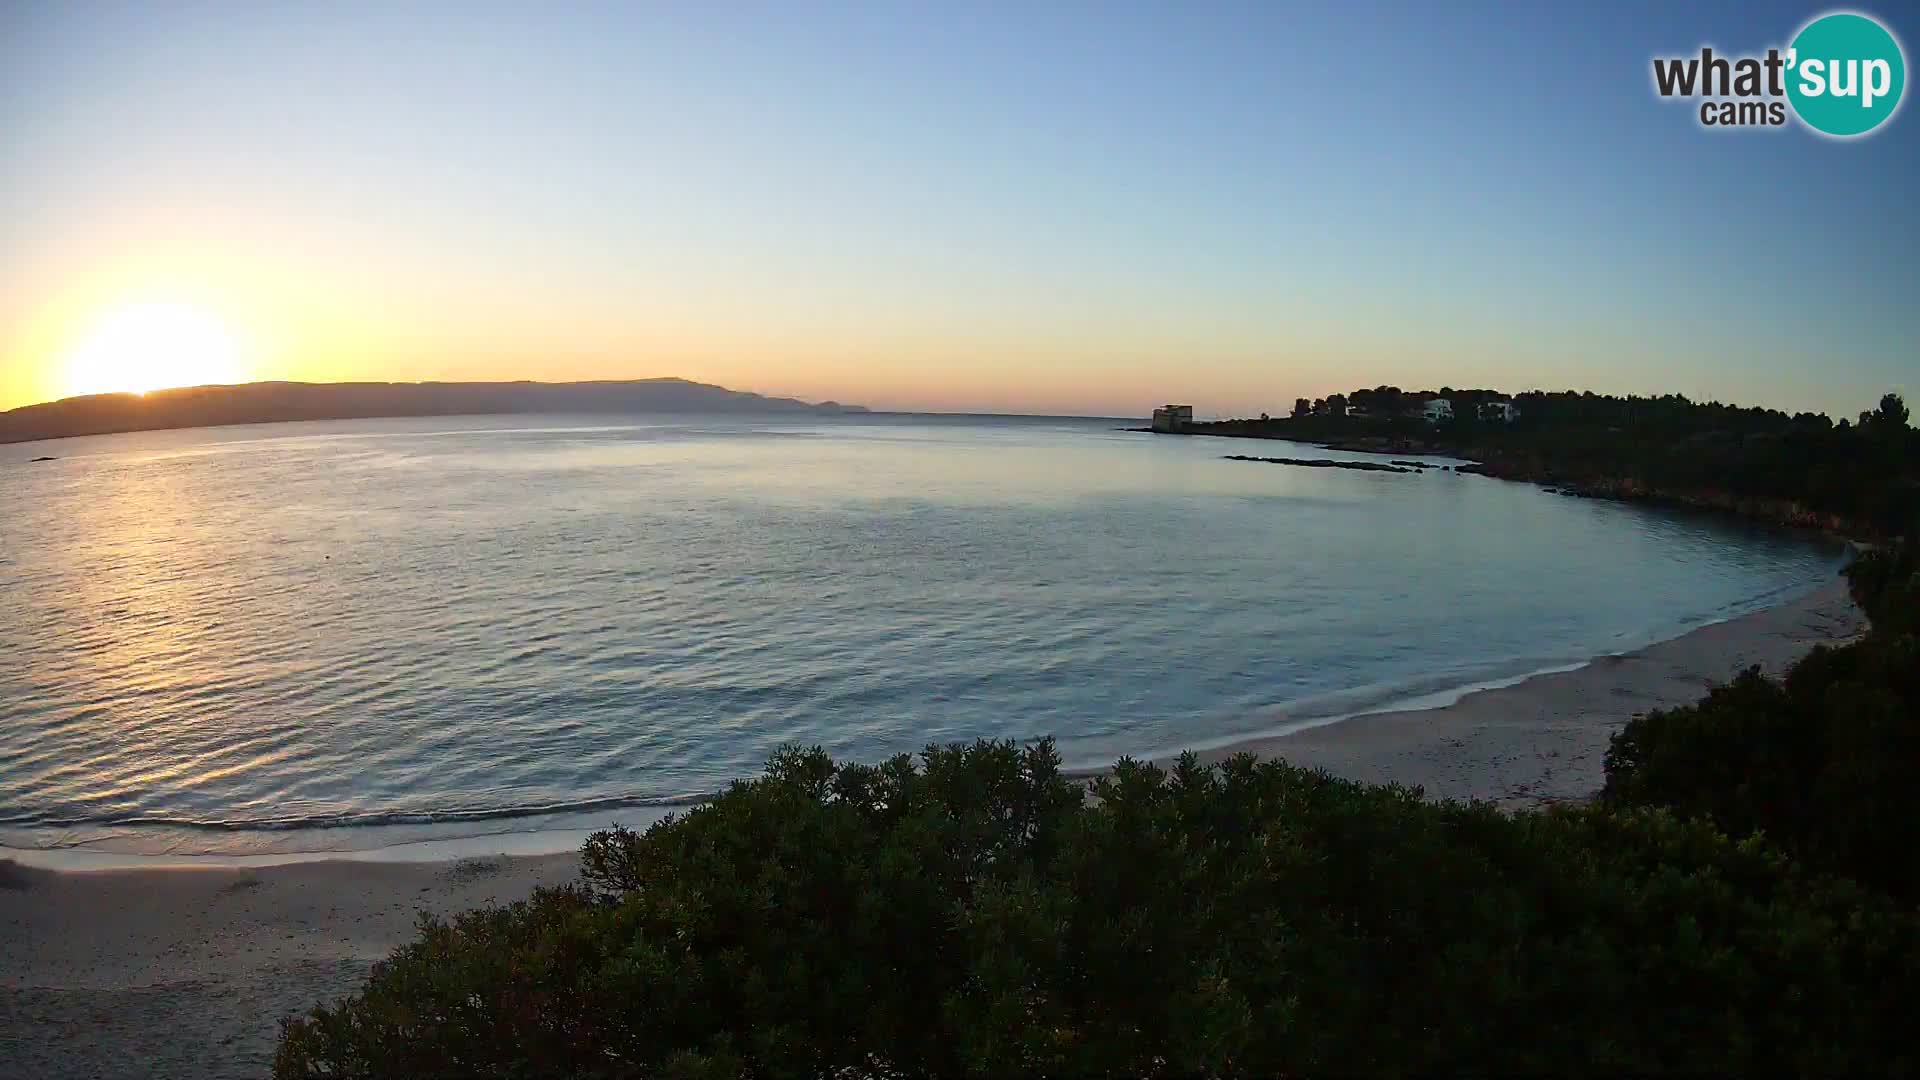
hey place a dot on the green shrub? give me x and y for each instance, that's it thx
(978, 914)
(1886, 584)
(1822, 762)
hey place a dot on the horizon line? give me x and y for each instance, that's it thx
(852, 407)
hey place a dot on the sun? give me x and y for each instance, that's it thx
(153, 346)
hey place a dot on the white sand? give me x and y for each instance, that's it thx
(185, 972)
(1545, 739)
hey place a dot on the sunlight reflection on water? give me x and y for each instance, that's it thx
(454, 625)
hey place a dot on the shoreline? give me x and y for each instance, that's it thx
(1290, 737)
(1543, 738)
(184, 968)
(1476, 461)
(1434, 701)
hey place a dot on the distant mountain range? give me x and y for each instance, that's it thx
(277, 402)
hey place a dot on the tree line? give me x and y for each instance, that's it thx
(1860, 477)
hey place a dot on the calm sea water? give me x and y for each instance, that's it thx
(329, 636)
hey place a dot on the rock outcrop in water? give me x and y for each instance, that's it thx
(1323, 463)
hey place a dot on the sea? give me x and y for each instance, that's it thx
(367, 636)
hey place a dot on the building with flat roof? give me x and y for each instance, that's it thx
(1172, 417)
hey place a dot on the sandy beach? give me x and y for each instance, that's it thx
(1545, 739)
(185, 972)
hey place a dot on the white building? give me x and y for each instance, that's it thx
(1172, 417)
(1437, 409)
(1503, 411)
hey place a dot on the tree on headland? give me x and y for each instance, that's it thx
(1861, 479)
(1890, 417)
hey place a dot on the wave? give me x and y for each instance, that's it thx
(1434, 690)
(355, 820)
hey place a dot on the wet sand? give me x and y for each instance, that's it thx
(185, 972)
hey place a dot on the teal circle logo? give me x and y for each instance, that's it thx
(1845, 73)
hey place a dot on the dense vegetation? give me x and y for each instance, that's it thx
(1742, 898)
(1861, 478)
(1822, 762)
(978, 915)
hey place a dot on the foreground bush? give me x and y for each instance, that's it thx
(1886, 584)
(975, 914)
(1824, 761)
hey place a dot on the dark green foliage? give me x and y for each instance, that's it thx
(1890, 419)
(1858, 479)
(1886, 584)
(978, 915)
(1823, 762)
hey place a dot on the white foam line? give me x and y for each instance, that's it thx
(556, 841)
(441, 849)
(1441, 699)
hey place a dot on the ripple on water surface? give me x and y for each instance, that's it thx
(331, 635)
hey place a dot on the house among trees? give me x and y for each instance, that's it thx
(1503, 411)
(1172, 417)
(1436, 410)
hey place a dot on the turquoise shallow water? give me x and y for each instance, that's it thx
(329, 636)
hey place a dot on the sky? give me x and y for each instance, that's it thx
(1060, 208)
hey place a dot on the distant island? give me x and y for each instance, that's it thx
(279, 402)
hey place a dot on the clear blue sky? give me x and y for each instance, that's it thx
(1085, 207)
